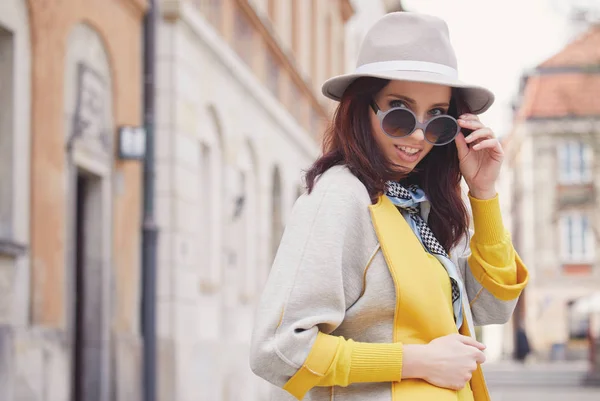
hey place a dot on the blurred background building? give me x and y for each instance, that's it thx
(69, 210)
(239, 113)
(553, 155)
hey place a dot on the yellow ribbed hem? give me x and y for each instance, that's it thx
(487, 221)
(376, 363)
(502, 290)
(334, 361)
(318, 362)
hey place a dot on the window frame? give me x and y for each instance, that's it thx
(577, 238)
(575, 162)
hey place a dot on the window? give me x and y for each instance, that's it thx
(575, 162)
(328, 47)
(315, 122)
(296, 28)
(576, 238)
(314, 40)
(244, 35)
(273, 72)
(271, 10)
(6, 133)
(297, 103)
(206, 207)
(276, 210)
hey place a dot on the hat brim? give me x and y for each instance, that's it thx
(478, 99)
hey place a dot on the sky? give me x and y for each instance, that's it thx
(496, 41)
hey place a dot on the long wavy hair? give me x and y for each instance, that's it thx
(349, 141)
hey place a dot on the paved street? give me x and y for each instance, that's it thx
(543, 382)
(545, 394)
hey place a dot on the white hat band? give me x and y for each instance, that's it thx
(407, 65)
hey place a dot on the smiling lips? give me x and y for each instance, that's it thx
(408, 154)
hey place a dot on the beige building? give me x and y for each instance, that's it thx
(553, 153)
(69, 208)
(239, 115)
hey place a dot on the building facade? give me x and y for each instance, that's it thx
(239, 117)
(69, 208)
(554, 151)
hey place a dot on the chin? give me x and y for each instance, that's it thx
(403, 168)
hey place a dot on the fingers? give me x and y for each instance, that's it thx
(479, 357)
(471, 341)
(468, 117)
(482, 133)
(470, 123)
(461, 146)
(483, 138)
(479, 135)
(488, 144)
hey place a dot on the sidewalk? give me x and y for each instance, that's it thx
(544, 394)
(547, 374)
(556, 381)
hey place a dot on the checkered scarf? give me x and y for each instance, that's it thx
(409, 201)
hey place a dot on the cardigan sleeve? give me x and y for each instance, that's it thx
(494, 272)
(315, 275)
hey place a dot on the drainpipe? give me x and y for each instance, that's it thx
(149, 227)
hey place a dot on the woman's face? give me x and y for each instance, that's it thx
(426, 101)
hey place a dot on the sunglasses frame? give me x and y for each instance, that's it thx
(418, 125)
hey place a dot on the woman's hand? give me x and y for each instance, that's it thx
(446, 362)
(480, 155)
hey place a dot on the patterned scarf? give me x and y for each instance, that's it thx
(409, 201)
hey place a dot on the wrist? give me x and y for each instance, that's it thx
(414, 361)
(483, 194)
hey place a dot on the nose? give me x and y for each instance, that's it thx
(418, 135)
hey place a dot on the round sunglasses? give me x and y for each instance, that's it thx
(398, 122)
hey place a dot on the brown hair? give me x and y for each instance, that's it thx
(349, 141)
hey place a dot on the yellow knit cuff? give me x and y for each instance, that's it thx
(504, 290)
(487, 221)
(376, 362)
(334, 361)
(320, 359)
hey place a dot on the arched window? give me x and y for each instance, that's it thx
(211, 193)
(15, 117)
(276, 212)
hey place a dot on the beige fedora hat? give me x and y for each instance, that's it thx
(414, 47)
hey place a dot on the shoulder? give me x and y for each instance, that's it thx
(337, 192)
(339, 181)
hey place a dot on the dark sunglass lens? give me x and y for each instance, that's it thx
(399, 123)
(441, 130)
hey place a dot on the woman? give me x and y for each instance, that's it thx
(377, 283)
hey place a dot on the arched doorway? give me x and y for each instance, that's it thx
(89, 169)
